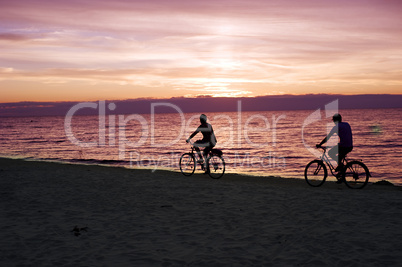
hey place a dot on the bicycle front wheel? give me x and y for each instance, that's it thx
(315, 173)
(187, 164)
(356, 174)
(216, 166)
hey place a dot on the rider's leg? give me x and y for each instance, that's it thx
(333, 153)
(207, 150)
(197, 145)
(343, 151)
(198, 151)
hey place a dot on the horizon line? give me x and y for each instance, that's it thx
(195, 97)
(205, 104)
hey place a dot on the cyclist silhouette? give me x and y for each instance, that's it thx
(208, 140)
(345, 145)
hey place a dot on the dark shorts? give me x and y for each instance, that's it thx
(201, 143)
(338, 153)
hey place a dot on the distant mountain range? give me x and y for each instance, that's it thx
(200, 105)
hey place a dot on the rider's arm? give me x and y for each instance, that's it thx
(323, 141)
(327, 137)
(192, 135)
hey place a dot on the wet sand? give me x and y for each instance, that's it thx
(76, 215)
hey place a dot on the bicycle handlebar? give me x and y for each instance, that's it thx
(188, 141)
(191, 144)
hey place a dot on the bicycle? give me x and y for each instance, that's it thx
(214, 159)
(354, 173)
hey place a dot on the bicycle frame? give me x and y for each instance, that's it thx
(205, 160)
(194, 152)
(354, 174)
(197, 157)
(213, 164)
(327, 160)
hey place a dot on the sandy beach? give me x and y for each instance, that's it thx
(76, 215)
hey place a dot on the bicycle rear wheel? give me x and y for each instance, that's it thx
(187, 164)
(356, 174)
(315, 173)
(216, 166)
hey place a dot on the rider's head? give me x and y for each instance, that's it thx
(337, 117)
(203, 118)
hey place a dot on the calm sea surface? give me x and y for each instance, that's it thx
(269, 143)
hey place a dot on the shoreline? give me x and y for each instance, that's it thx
(85, 215)
(330, 179)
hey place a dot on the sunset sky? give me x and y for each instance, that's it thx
(79, 50)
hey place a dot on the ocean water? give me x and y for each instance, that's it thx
(268, 143)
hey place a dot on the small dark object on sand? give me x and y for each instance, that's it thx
(77, 230)
(384, 182)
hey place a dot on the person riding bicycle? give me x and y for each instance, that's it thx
(208, 140)
(345, 145)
